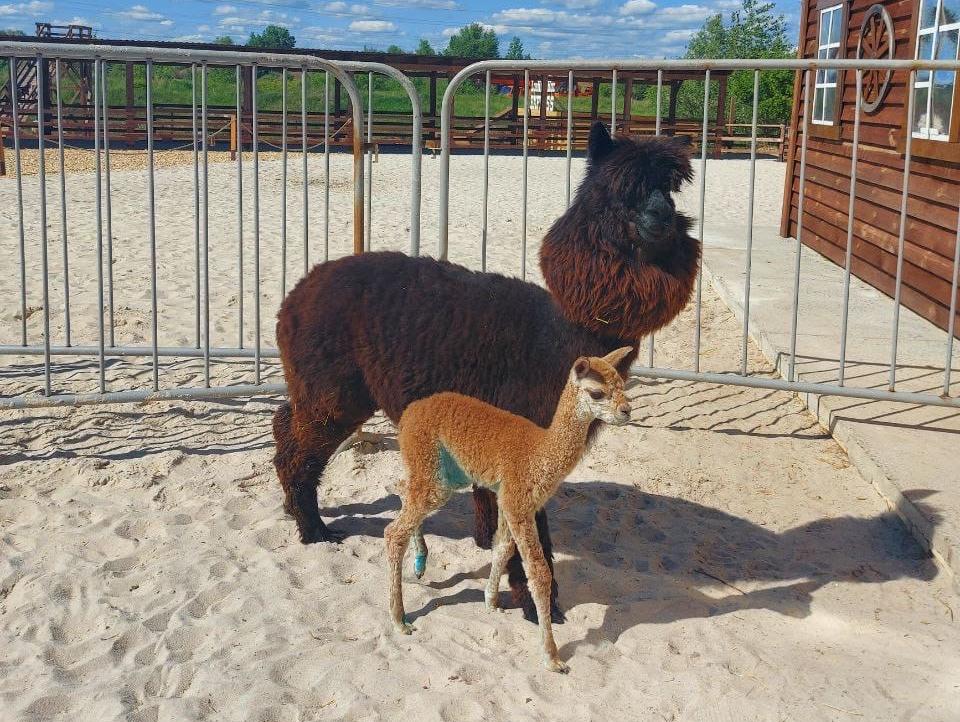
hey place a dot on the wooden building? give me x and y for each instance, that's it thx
(903, 29)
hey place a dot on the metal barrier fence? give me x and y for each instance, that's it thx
(200, 63)
(806, 68)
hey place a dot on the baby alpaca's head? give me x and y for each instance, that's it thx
(600, 388)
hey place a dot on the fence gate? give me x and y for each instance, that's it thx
(111, 277)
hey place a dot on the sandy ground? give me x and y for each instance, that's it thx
(718, 559)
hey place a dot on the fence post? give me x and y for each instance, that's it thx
(3, 160)
(233, 136)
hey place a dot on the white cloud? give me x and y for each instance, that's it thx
(637, 7)
(224, 10)
(141, 13)
(573, 4)
(533, 17)
(372, 26)
(674, 36)
(30, 8)
(242, 23)
(341, 8)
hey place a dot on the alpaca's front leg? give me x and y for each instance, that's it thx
(540, 579)
(503, 547)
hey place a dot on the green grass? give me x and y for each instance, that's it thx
(174, 85)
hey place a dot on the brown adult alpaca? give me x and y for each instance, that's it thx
(381, 330)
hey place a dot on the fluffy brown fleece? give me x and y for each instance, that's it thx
(449, 440)
(382, 330)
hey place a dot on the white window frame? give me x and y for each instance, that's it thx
(823, 51)
(928, 133)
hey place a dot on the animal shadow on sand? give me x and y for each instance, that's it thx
(654, 559)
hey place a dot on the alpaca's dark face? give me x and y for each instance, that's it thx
(634, 179)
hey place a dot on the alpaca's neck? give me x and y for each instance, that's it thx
(613, 291)
(562, 445)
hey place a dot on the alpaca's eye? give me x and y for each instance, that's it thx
(595, 394)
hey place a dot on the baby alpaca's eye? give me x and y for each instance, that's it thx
(595, 394)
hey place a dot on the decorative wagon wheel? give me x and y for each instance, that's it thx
(876, 43)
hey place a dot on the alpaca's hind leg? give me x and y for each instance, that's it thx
(540, 579)
(420, 552)
(397, 536)
(503, 549)
(518, 579)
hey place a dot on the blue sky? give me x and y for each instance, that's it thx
(548, 28)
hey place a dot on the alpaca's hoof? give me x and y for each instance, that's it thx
(315, 535)
(493, 602)
(405, 628)
(419, 565)
(555, 665)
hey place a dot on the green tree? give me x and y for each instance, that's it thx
(752, 31)
(274, 37)
(425, 48)
(473, 41)
(515, 50)
(395, 50)
(223, 40)
(12, 31)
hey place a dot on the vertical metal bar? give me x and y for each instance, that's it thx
(659, 95)
(326, 165)
(486, 172)
(15, 112)
(98, 203)
(749, 262)
(104, 89)
(239, 207)
(526, 125)
(907, 157)
(42, 177)
(850, 211)
(256, 227)
(613, 105)
(206, 227)
(196, 206)
(570, 87)
(703, 193)
(795, 314)
(951, 323)
(63, 210)
(369, 199)
(650, 348)
(303, 147)
(152, 228)
(283, 184)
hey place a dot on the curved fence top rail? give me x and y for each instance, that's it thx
(73, 51)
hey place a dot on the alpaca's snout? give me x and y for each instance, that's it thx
(623, 412)
(658, 209)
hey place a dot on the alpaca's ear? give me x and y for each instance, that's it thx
(615, 357)
(600, 143)
(581, 367)
(684, 141)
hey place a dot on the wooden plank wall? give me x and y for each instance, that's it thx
(931, 229)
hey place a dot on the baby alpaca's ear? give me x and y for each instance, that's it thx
(581, 367)
(615, 357)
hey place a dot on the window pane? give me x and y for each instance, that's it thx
(821, 77)
(943, 83)
(951, 12)
(824, 28)
(832, 52)
(835, 26)
(831, 75)
(829, 96)
(928, 13)
(925, 47)
(920, 111)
